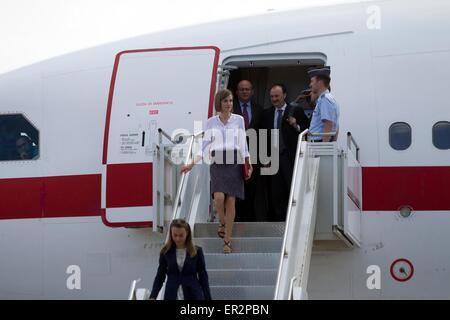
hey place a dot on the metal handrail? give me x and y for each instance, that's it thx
(321, 134)
(351, 140)
(291, 288)
(165, 134)
(132, 294)
(288, 218)
(180, 186)
(315, 134)
(183, 175)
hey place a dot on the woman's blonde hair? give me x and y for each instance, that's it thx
(220, 96)
(190, 246)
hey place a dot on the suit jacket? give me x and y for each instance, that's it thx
(193, 277)
(288, 132)
(255, 123)
(257, 113)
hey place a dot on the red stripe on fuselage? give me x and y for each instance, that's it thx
(21, 198)
(129, 185)
(50, 197)
(384, 189)
(422, 188)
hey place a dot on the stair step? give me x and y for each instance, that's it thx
(236, 277)
(242, 245)
(242, 260)
(242, 229)
(242, 292)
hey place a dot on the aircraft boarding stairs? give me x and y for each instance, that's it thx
(250, 272)
(271, 260)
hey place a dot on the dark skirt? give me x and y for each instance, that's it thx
(227, 176)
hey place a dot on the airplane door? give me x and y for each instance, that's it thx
(352, 193)
(171, 89)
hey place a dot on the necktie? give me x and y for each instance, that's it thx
(245, 115)
(280, 135)
(279, 118)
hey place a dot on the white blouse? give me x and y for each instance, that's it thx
(230, 136)
(181, 256)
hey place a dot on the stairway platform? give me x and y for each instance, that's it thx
(242, 292)
(242, 260)
(239, 277)
(242, 245)
(241, 229)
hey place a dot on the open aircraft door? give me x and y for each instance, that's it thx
(352, 192)
(169, 88)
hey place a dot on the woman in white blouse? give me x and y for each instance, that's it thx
(226, 141)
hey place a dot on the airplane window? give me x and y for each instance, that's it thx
(400, 135)
(441, 135)
(19, 139)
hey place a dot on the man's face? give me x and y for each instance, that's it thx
(277, 97)
(244, 91)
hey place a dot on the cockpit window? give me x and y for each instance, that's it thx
(19, 139)
(400, 135)
(441, 135)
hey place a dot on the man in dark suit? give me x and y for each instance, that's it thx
(252, 114)
(289, 121)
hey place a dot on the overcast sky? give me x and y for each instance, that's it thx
(33, 30)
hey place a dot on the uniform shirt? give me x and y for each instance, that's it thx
(229, 136)
(326, 109)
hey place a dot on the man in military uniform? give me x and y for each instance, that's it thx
(325, 118)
